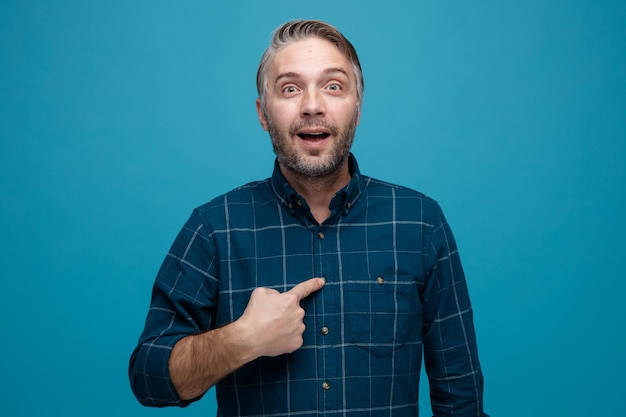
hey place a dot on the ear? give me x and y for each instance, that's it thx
(259, 112)
(358, 116)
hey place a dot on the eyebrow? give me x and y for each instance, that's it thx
(327, 71)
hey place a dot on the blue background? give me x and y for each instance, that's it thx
(118, 117)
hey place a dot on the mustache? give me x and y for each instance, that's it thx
(313, 123)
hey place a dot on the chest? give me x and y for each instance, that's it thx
(369, 261)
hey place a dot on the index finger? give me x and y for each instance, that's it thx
(306, 288)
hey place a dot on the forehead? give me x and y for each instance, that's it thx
(308, 56)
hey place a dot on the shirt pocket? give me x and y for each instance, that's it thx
(381, 311)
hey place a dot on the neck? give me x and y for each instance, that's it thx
(318, 191)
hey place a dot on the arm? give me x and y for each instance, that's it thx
(450, 351)
(270, 326)
(180, 354)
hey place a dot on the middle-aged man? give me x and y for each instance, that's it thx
(316, 291)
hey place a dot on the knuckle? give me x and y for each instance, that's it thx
(305, 288)
(290, 297)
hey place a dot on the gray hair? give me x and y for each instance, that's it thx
(297, 30)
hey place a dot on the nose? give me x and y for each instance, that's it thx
(312, 103)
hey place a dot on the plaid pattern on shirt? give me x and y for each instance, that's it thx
(394, 290)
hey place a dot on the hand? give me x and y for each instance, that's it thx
(274, 320)
(270, 326)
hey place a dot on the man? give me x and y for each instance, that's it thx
(316, 291)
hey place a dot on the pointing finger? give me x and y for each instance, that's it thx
(306, 288)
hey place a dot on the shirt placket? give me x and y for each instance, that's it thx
(328, 331)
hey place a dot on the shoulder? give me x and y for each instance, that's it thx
(236, 203)
(245, 194)
(376, 188)
(405, 206)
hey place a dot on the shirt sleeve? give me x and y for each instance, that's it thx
(182, 304)
(450, 351)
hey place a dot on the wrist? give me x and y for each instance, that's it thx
(242, 342)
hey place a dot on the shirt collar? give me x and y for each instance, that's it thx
(344, 199)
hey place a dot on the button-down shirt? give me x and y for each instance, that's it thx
(394, 290)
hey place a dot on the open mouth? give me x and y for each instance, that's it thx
(313, 135)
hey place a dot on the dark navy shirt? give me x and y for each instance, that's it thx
(394, 290)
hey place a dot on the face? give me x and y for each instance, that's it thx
(311, 108)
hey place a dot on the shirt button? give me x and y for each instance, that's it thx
(380, 280)
(324, 330)
(299, 202)
(320, 235)
(326, 385)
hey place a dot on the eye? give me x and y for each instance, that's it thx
(290, 89)
(334, 87)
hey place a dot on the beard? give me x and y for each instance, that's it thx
(312, 164)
